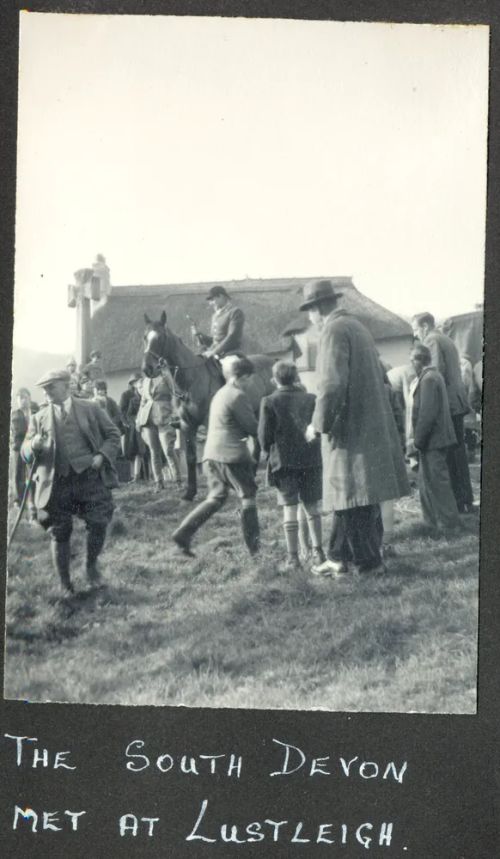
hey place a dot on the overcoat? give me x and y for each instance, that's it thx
(362, 457)
(95, 425)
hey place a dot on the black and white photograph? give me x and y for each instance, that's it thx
(245, 433)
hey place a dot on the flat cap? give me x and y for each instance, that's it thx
(53, 376)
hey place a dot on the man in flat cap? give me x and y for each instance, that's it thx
(226, 332)
(76, 445)
(363, 462)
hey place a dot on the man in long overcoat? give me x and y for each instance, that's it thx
(76, 445)
(363, 462)
(445, 358)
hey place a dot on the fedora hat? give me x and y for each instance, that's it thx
(53, 376)
(317, 290)
(215, 291)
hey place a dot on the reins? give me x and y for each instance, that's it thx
(174, 370)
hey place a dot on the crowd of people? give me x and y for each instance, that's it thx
(346, 452)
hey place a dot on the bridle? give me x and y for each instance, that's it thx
(162, 364)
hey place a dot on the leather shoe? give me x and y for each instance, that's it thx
(330, 568)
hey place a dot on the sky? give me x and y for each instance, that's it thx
(192, 149)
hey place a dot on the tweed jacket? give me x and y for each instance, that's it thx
(284, 417)
(445, 358)
(100, 432)
(227, 329)
(431, 418)
(231, 420)
(363, 462)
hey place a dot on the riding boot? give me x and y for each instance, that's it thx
(61, 554)
(250, 529)
(96, 535)
(183, 535)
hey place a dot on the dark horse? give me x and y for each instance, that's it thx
(196, 380)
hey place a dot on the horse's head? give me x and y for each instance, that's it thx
(155, 345)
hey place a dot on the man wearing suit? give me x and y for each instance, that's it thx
(445, 358)
(76, 445)
(433, 435)
(227, 460)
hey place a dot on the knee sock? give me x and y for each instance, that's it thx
(304, 536)
(291, 528)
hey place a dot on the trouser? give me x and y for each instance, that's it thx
(160, 439)
(83, 495)
(387, 510)
(357, 536)
(436, 496)
(458, 467)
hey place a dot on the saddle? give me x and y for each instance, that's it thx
(214, 368)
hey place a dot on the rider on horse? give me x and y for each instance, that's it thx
(226, 328)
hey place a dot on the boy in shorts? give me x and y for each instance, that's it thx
(294, 464)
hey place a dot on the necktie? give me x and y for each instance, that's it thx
(64, 413)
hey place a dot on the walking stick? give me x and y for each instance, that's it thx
(23, 502)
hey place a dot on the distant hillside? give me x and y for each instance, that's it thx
(28, 365)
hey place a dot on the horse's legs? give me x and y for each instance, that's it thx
(192, 486)
(152, 439)
(167, 440)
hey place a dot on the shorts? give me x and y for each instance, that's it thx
(298, 484)
(223, 476)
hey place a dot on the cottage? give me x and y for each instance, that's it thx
(392, 334)
(273, 324)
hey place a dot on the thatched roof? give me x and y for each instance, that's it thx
(382, 323)
(270, 308)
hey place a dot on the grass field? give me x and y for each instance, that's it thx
(222, 630)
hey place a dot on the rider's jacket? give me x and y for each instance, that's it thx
(227, 329)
